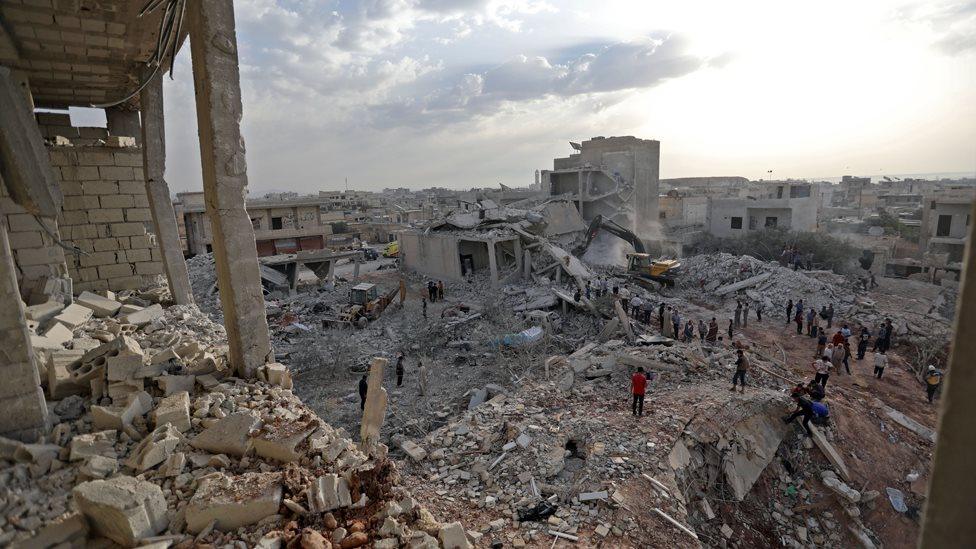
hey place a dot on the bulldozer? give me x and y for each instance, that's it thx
(365, 305)
(640, 267)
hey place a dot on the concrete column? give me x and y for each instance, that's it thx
(125, 122)
(517, 249)
(24, 414)
(160, 204)
(492, 263)
(216, 80)
(952, 491)
(527, 265)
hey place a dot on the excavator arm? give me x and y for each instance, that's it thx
(600, 223)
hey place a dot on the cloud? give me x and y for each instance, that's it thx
(638, 64)
(950, 22)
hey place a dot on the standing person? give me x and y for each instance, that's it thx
(838, 356)
(880, 362)
(759, 310)
(624, 297)
(821, 344)
(363, 388)
(741, 367)
(933, 378)
(889, 331)
(830, 315)
(804, 408)
(422, 377)
(822, 367)
(689, 331)
(399, 369)
(712, 331)
(738, 313)
(862, 342)
(789, 311)
(847, 356)
(879, 341)
(587, 289)
(874, 283)
(676, 319)
(730, 330)
(638, 386)
(667, 329)
(828, 352)
(846, 330)
(635, 306)
(745, 315)
(811, 317)
(577, 295)
(660, 316)
(838, 338)
(799, 320)
(440, 290)
(702, 329)
(423, 304)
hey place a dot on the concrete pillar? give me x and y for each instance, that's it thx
(160, 204)
(492, 263)
(517, 249)
(24, 414)
(952, 491)
(125, 121)
(216, 80)
(375, 409)
(527, 265)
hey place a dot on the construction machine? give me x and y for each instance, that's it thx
(640, 266)
(365, 305)
(392, 249)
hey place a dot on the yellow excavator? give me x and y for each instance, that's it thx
(365, 305)
(640, 266)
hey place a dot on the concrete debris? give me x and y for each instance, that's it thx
(154, 449)
(123, 509)
(174, 410)
(233, 502)
(328, 493)
(230, 435)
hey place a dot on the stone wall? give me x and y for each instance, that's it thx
(106, 214)
(36, 254)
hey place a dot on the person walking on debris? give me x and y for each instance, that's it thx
(440, 290)
(880, 363)
(862, 342)
(889, 331)
(838, 338)
(759, 310)
(363, 388)
(847, 356)
(738, 313)
(624, 297)
(638, 385)
(874, 283)
(635, 306)
(399, 369)
(811, 317)
(741, 367)
(933, 378)
(879, 340)
(676, 320)
(646, 310)
(745, 315)
(822, 368)
(730, 330)
(587, 289)
(702, 330)
(804, 408)
(789, 311)
(828, 352)
(821, 344)
(838, 357)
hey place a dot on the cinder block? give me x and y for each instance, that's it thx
(136, 256)
(128, 229)
(114, 271)
(40, 256)
(116, 200)
(61, 157)
(52, 119)
(138, 175)
(138, 214)
(101, 187)
(87, 274)
(71, 188)
(157, 254)
(127, 283)
(132, 187)
(123, 242)
(96, 158)
(149, 268)
(84, 231)
(69, 218)
(98, 258)
(132, 159)
(28, 239)
(106, 244)
(85, 244)
(106, 215)
(93, 286)
(84, 202)
(79, 173)
(145, 241)
(115, 173)
(140, 201)
(93, 133)
(22, 222)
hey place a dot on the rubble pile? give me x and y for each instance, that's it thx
(156, 441)
(725, 277)
(203, 283)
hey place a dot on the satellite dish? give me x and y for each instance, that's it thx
(576, 146)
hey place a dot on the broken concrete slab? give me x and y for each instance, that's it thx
(414, 450)
(910, 423)
(233, 501)
(452, 536)
(74, 316)
(122, 509)
(171, 385)
(43, 312)
(59, 380)
(123, 366)
(70, 530)
(230, 435)
(832, 455)
(145, 316)
(58, 333)
(86, 445)
(327, 493)
(154, 449)
(102, 307)
(280, 441)
(118, 417)
(743, 284)
(174, 410)
(99, 467)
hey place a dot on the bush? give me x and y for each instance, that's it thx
(768, 244)
(893, 225)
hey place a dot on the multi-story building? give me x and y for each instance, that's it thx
(945, 222)
(791, 205)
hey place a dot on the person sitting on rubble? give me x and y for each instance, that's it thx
(804, 408)
(816, 390)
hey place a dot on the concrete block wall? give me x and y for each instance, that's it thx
(36, 254)
(106, 214)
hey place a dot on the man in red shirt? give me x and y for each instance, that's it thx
(838, 338)
(638, 385)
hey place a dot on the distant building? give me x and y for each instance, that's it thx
(790, 205)
(617, 177)
(945, 222)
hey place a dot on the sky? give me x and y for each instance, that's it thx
(473, 93)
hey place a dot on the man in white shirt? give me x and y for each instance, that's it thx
(880, 361)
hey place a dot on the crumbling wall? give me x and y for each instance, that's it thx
(37, 255)
(434, 255)
(106, 215)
